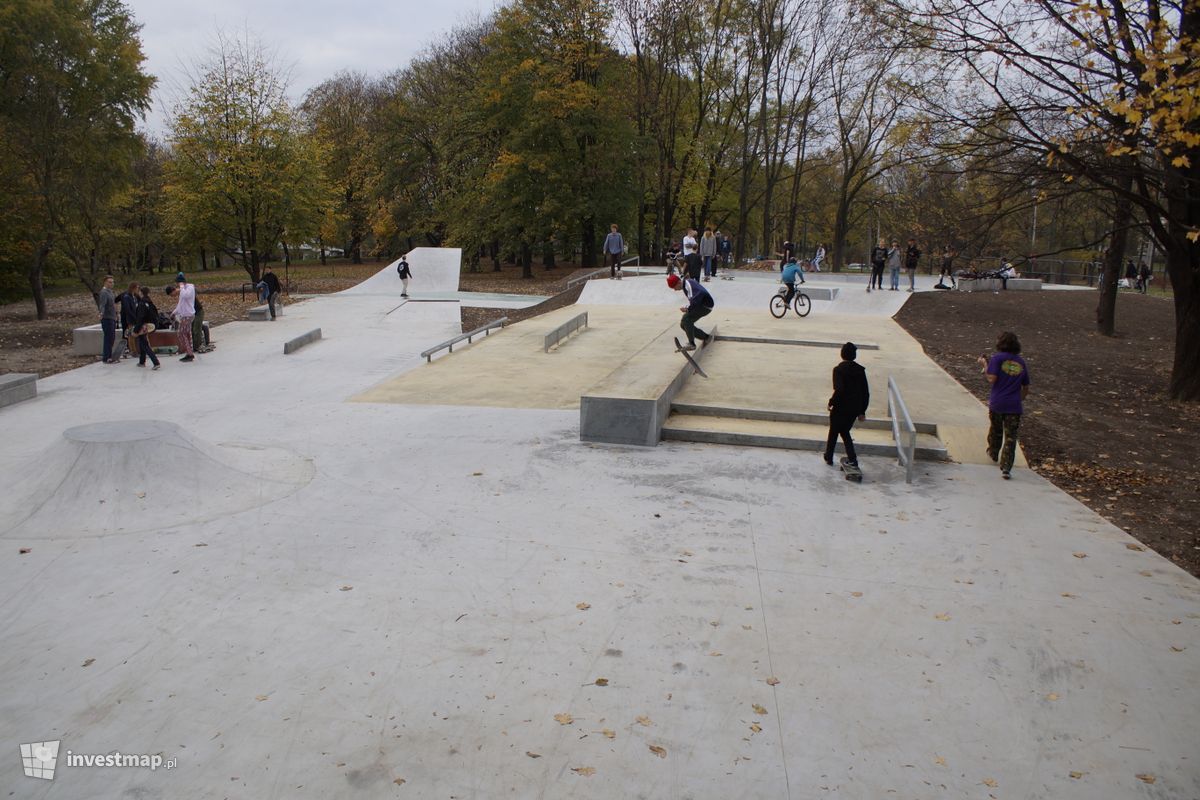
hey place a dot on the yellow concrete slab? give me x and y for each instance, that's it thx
(510, 370)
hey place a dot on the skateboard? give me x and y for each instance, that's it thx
(853, 473)
(688, 356)
(726, 277)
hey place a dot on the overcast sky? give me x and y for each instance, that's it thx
(315, 39)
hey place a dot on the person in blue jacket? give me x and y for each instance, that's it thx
(700, 304)
(790, 272)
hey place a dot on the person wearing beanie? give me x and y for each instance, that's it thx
(700, 304)
(851, 396)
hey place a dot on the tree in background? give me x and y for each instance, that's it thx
(338, 114)
(243, 176)
(71, 90)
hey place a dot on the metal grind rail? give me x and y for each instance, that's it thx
(486, 330)
(903, 431)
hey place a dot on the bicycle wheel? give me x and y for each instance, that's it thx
(802, 305)
(778, 307)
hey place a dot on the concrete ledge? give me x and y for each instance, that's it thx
(1024, 284)
(798, 342)
(619, 412)
(789, 416)
(996, 285)
(87, 341)
(259, 313)
(303, 339)
(16, 387)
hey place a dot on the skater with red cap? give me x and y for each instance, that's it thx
(700, 304)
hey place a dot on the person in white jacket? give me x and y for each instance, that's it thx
(185, 311)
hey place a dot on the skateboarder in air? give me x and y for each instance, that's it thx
(851, 395)
(700, 304)
(405, 275)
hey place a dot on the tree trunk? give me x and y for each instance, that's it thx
(1183, 266)
(321, 244)
(495, 252)
(526, 261)
(356, 248)
(548, 254)
(587, 230)
(35, 276)
(287, 254)
(1106, 308)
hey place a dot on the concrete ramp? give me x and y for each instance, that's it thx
(139, 475)
(434, 269)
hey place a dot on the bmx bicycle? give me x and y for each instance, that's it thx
(800, 303)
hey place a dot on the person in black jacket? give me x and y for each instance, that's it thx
(273, 288)
(878, 259)
(145, 320)
(851, 395)
(405, 273)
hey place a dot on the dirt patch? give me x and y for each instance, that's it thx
(1098, 423)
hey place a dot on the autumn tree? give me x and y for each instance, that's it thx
(1104, 92)
(243, 175)
(71, 90)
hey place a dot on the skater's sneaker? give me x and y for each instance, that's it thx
(188, 358)
(157, 366)
(142, 364)
(1006, 475)
(828, 461)
(688, 347)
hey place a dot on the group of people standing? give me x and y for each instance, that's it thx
(139, 317)
(894, 259)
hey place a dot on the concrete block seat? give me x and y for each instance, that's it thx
(89, 340)
(996, 284)
(17, 386)
(630, 405)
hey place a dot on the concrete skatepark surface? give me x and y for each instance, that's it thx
(447, 578)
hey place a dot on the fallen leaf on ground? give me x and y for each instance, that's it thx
(476, 474)
(1079, 555)
(1178, 649)
(990, 782)
(658, 751)
(533, 755)
(1146, 777)
(1075, 775)
(260, 697)
(747, 627)
(563, 719)
(399, 781)
(584, 771)
(1052, 697)
(583, 606)
(942, 617)
(772, 681)
(1132, 546)
(754, 726)
(24, 550)
(602, 681)
(941, 762)
(644, 721)
(346, 588)
(609, 734)
(856, 594)
(1067, 594)
(89, 662)
(1176, 622)
(714, 653)
(758, 709)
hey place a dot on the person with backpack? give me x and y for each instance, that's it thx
(405, 273)
(145, 321)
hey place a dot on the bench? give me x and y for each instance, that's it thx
(16, 387)
(89, 340)
(263, 313)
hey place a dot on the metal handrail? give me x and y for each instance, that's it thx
(902, 430)
(449, 343)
